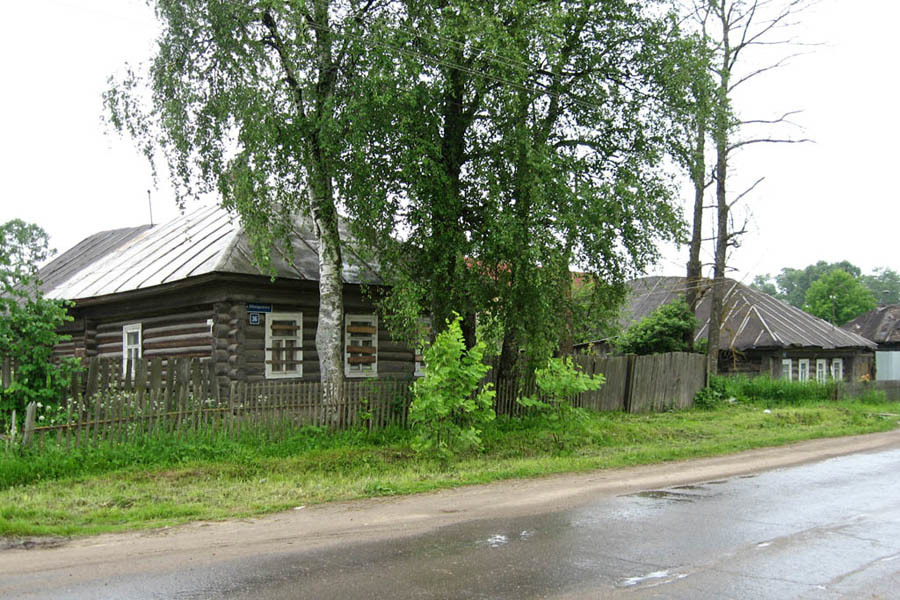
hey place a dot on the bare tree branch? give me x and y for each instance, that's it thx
(768, 141)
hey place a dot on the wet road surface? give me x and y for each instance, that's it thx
(829, 529)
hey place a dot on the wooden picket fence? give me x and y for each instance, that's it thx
(182, 398)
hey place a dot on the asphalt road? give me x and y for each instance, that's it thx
(746, 526)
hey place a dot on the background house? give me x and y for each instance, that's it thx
(190, 288)
(761, 335)
(882, 326)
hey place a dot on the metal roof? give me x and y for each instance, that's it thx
(751, 319)
(205, 240)
(881, 325)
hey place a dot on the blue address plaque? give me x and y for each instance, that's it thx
(258, 308)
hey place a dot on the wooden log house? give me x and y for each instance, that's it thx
(762, 335)
(189, 288)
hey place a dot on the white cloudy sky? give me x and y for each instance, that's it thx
(831, 200)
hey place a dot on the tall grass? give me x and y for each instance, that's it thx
(768, 392)
(169, 450)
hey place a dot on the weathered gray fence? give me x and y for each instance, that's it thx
(635, 384)
(182, 396)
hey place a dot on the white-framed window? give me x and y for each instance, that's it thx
(787, 369)
(837, 369)
(284, 345)
(821, 370)
(425, 330)
(131, 345)
(803, 369)
(361, 351)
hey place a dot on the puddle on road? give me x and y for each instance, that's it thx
(499, 539)
(654, 578)
(667, 495)
(689, 487)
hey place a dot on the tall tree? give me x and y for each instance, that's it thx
(733, 28)
(248, 100)
(838, 297)
(540, 139)
(791, 285)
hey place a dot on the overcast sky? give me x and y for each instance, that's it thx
(831, 200)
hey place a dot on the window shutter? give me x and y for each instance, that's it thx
(361, 346)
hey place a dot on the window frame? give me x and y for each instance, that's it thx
(362, 370)
(839, 363)
(269, 348)
(822, 374)
(126, 347)
(789, 363)
(801, 363)
(419, 350)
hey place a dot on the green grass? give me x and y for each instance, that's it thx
(167, 480)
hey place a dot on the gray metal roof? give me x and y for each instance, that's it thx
(752, 319)
(881, 325)
(84, 254)
(205, 240)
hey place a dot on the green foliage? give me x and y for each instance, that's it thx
(449, 410)
(663, 330)
(791, 285)
(712, 396)
(499, 183)
(29, 323)
(884, 283)
(559, 381)
(769, 392)
(838, 297)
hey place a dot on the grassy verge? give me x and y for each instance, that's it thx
(167, 481)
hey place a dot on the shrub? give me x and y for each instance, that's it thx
(667, 329)
(448, 410)
(712, 396)
(559, 381)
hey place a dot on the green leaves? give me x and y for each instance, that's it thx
(667, 329)
(838, 297)
(449, 410)
(29, 322)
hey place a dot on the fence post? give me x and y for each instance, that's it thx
(28, 431)
(629, 380)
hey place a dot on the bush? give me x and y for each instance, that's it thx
(669, 328)
(559, 381)
(448, 410)
(712, 396)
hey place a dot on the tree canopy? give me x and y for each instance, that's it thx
(517, 139)
(838, 297)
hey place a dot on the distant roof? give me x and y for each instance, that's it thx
(205, 240)
(752, 319)
(881, 325)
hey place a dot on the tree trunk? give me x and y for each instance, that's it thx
(698, 176)
(721, 133)
(718, 289)
(329, 332)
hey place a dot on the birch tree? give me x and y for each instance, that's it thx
(247, 101)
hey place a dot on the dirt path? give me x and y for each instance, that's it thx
(328, 525)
